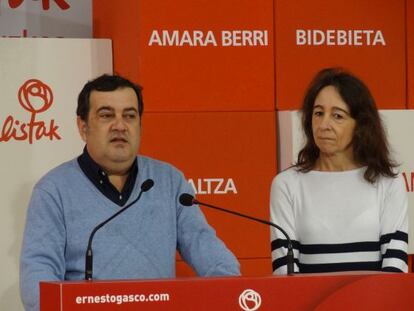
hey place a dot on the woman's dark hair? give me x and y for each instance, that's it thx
(105, 83)
(370, 145)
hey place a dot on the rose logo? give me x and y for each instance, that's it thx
(250, 300)
(35, 96)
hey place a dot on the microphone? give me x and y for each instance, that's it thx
(187, 199)
(145, 186)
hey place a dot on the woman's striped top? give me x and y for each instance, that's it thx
(338, 221)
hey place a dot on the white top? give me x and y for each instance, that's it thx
(338, 221)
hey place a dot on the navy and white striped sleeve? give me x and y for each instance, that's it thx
(282, 214)
(394, 227)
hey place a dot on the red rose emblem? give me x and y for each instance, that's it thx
(35, 96)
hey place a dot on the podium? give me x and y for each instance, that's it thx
(321, 292)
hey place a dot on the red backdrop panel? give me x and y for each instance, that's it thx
(182, 73)
(117, 21)
(239, 150)
(376, 53)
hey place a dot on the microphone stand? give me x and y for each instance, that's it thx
(186, 198)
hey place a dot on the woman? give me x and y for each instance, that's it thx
(342, 204)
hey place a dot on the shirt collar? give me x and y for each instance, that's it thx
(97, 175)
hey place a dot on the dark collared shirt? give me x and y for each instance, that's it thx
(101, 181)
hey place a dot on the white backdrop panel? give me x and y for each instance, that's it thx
(60, 67)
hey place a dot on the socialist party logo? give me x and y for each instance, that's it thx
(250, 300)
(35, 97)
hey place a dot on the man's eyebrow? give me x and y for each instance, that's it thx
(131, 109)
(105, 108)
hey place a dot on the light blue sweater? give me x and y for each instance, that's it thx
(141, 243)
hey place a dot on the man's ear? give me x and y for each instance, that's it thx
(82, 128)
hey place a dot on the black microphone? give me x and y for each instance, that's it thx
(145, 186)
(187, 199)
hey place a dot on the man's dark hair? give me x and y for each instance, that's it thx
(370, 145)
(105, 83)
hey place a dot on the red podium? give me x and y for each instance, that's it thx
(340, 291)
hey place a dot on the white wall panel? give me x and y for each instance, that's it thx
(64, 65)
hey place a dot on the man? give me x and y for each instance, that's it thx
(72, 199)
